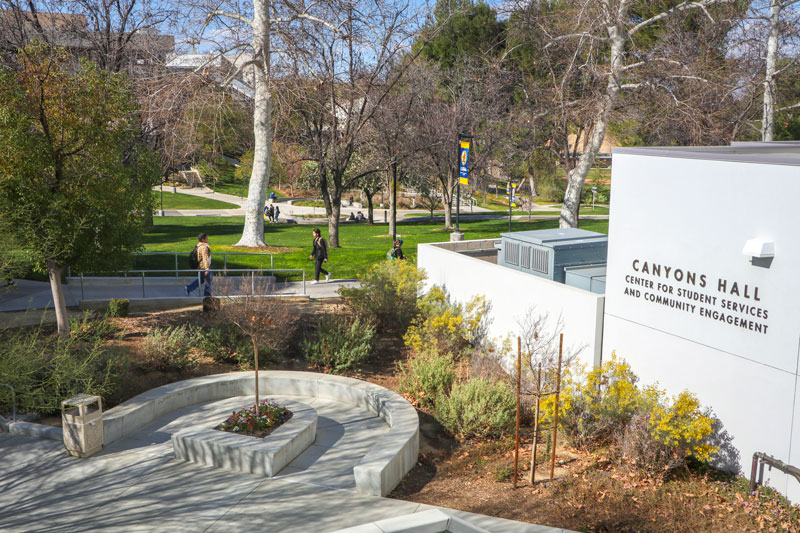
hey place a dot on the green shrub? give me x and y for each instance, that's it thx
(44, 370)
(426, 376)
(169, 348)
(118, 307)
(477, 408)
(340, 343)
(226, 344)
(90, 327)
(387, 295)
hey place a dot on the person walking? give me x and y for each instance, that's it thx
(277, 213)
(271, 213)
(202, 252)
(319, 254)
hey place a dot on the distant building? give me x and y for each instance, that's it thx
(217, 67)
(140, 53)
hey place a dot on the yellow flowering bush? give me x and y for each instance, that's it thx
(447, 327)
(605, 406)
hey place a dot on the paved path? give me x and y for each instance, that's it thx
(29, 295)
(135, 484)
(316, 215)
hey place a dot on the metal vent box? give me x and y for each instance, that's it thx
(589, 278)
(545, 253)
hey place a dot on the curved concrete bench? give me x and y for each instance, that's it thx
(379, 471)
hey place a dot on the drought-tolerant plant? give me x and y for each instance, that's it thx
(169, 348)
(118, 307)
(257, 420)
(340, 343)
(447, 326)
(426, 376)
(225, 343)
(477, 408)
(387, 295)
(90, 327)
(44, 370)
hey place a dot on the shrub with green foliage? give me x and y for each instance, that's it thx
(226, 344)
(387, 295)
(340, 343)
(91, 327)
(477, 408)
(169, 348)
(44, 370)
(118, 307)
(426, 376)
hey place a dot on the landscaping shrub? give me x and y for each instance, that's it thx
(226, 344)
(654, 433)
(90, 327)
(477, 408)
(387, 295)
(258, 421)
(426, 376)
(445, 326)
(118, 307)
(169, 348)
(45, 370)
(340, 343)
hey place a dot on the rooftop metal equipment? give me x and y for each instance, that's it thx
(587, 277)
(546, 253)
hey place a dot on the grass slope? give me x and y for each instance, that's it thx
(187, 201)
(362, 244)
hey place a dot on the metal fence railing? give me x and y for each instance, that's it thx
(177, 255)
(143, 275)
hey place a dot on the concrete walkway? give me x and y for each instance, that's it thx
(29, 295)
(136, 485)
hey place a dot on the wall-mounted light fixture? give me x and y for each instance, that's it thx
(762, 251)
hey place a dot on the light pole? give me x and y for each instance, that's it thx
(463, 159)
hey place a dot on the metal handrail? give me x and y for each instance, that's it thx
(760, 459)
(13, 401)
(197, 272)
(176, 254)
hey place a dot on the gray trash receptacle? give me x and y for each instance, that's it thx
(82, 424)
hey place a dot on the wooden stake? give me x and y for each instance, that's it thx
(555, 415)
(536, 424)
(519, 385)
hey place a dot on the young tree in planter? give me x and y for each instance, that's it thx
(74, 183)
(266, 320)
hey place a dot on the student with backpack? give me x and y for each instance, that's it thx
(200, 258)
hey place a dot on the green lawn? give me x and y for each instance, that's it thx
(239, 188)
(187, 201)
(362, 244)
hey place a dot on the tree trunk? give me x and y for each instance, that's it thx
(59, 303)
(253, 233)
(370, 207)
(255, 362)
(447, 204)
(768, 118)
(333, 221)
(577, 176)
(393, 201)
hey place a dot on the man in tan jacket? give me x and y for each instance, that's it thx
(204, 266)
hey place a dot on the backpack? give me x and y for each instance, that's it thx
(194, 262)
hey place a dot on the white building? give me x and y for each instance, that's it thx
(702, 287)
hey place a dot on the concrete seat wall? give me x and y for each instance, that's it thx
(379, 471)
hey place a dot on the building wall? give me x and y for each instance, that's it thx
(512, 293)
(695, 216)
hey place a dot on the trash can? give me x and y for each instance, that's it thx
(82, 424)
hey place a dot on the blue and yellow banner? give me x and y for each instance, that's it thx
(463, 158)
(511, 191)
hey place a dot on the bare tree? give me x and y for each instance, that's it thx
(266, 319)
(622, 46)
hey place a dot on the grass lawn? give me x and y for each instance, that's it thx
(187, 201)
(239, 188)
(362, 244)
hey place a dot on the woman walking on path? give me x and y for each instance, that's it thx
(319, 254)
